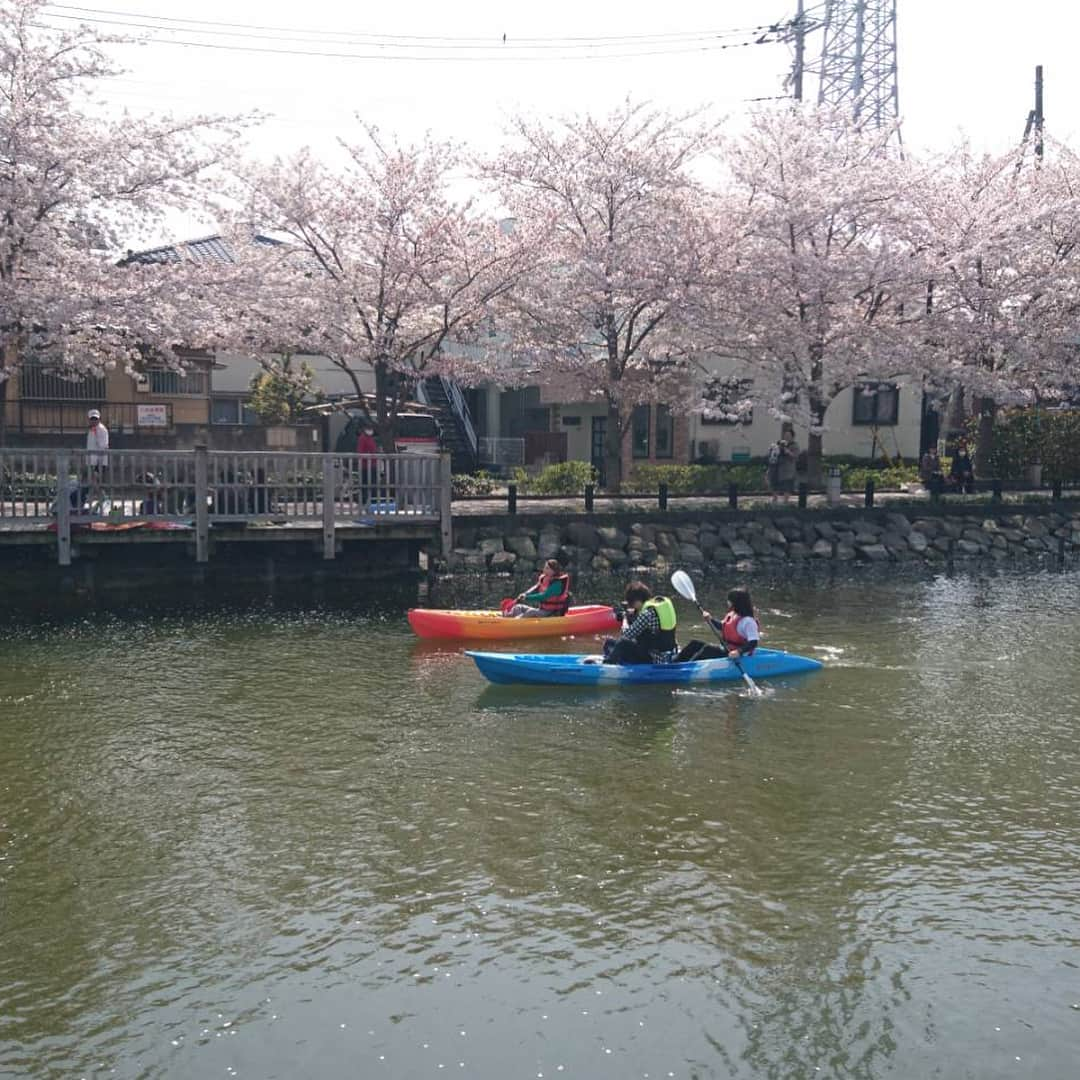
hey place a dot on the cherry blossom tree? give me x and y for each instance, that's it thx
(74, 187)
(380, 270)
(625, 253)
(828, 285)
(1002, 236)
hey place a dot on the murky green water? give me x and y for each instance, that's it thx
(297, 843)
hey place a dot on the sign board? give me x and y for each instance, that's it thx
(156, 416)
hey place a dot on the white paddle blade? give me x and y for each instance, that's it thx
(684, 586)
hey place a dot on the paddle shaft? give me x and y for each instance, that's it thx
(735, 660)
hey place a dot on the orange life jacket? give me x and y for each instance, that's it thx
(729, 630)
(558, 605)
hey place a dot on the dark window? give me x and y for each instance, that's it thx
(639, 432)
(175, 384)
(232, 411)
(665, 432)
(875, 403)
(417, 426)
(727, 401)
(38, 382)
(571, 421)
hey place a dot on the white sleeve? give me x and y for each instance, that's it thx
(748, 628)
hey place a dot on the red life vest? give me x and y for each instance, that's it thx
(558, 605)
(729, 630)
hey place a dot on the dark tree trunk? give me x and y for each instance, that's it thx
(984, 440)
(613, 448)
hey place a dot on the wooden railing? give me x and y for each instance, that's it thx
(200, 488)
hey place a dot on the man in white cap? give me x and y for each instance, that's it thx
(97, 441)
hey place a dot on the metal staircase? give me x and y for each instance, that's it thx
(447, 404)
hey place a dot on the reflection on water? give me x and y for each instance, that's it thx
(290, 840)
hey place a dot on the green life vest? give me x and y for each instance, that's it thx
(665, 611)
(664, 640)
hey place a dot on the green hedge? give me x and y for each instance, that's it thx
(477, 483)
(695, 479)
(565, 478)
(1023, 437)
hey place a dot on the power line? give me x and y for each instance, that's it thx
(494, 56)
(555, 41)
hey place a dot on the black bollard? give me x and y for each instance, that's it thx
(995, 490)
(663, 496)
(868, 496)
(511, 499)
(804, 494)
(590, 492)
(733, 495)
(1055, 491)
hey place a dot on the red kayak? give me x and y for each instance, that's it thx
(492, 626)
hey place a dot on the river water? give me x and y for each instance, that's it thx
(290, 841)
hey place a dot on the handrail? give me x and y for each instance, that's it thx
(125, 489)
(461, 409)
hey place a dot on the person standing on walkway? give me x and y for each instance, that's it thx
(366, 446)
(97, 443)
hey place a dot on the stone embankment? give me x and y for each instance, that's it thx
(993, 535)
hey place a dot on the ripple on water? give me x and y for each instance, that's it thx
(270, 843)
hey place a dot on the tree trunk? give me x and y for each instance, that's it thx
(386, 408)
(3, 405)
(815, 473)
(984, 442)
(613, 441)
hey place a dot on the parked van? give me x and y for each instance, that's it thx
(417, 433)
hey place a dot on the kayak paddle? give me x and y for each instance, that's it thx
(684, 586)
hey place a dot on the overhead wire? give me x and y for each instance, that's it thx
(632, 47)
(219, 26)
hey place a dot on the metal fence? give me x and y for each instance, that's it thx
(198, 488)
(502, 453)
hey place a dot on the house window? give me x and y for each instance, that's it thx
(727, 401)
(38, 382)
(231, 411)
(175, 384)
(875, 403)
(665, 432)
(639, 432)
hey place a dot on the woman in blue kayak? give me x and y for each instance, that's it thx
(739, 630)
(648, 636)
(551, 594)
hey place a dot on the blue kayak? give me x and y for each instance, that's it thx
(568, 669)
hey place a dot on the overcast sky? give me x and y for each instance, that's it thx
(963, 65)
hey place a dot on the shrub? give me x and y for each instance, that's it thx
(696, 479)
(564, 478)
(477, 483)
(1022, 437)
(853, 478)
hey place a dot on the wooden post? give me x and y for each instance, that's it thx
(1055, 490)
(995, 490)
(202, 510)
(63, 508)
(590, 495)
(511, 498)
(662, 497)
(804, 493)
(868, 497)
(733, 496)
(446, 520)
(329, 506)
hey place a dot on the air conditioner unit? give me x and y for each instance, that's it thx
(142, 383)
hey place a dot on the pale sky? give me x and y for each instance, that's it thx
(963, 65)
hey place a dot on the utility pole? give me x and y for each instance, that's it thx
(1039, 112)
(800, 51)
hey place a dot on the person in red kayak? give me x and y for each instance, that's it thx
(366, 445)
(739, 630)
(551, 594)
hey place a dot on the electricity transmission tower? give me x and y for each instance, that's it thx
(856, 65)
